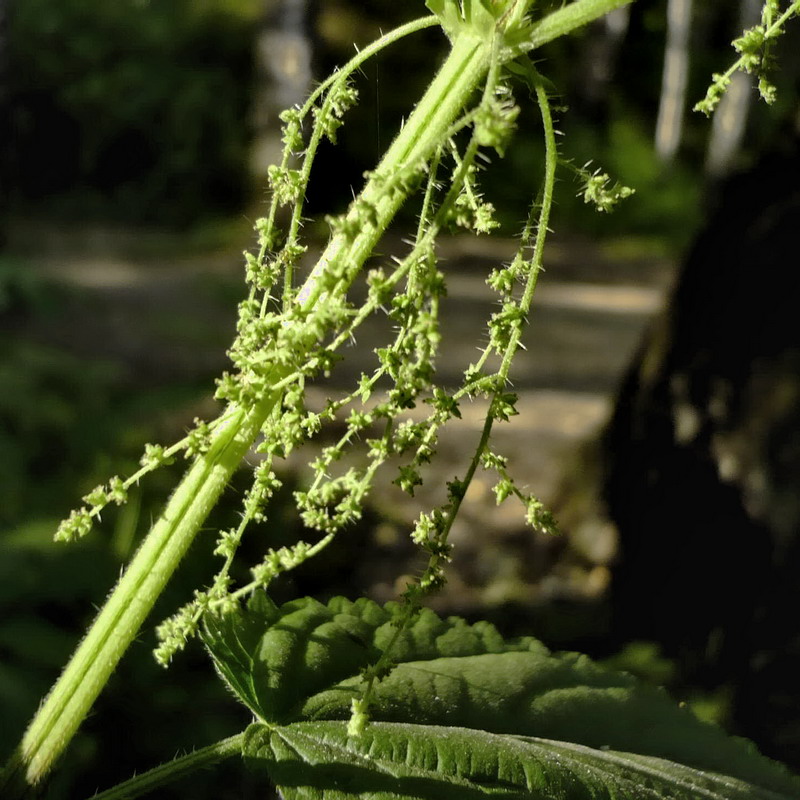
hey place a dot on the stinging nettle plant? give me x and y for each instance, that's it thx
(352, 699)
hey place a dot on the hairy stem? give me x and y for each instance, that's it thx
(174, 770)
(567, 19)
(121, 617)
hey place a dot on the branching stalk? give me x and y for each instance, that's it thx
(474, 51)
(567, 19)
(132, 599)
(174, 770)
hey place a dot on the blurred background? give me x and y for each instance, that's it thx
(659, 391)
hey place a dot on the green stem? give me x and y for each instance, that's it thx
(566, 20)
(132, 599)
(125, 610)
(336, 78)
(173, 770)
(551, 162)
(464, 69)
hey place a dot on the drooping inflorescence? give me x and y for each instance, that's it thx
(293, 324)
(755, 55)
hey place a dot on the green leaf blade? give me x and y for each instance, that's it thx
(402, 761)
(306, 666)
(272, 660)
(564, 697)
(275, 659)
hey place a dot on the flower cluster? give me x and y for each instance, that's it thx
(296, 336)
(755, 56)
(290, 333)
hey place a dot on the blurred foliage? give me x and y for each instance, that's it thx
(65, 423)
(645, 661)
(57, 435)
(131, 110)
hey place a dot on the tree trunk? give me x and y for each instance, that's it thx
(669, 125)
(730, 118)
(599, 62)
(283, 72)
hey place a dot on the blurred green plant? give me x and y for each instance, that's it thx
(43, 441)
(130, 111)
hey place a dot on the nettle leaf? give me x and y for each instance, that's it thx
(389, 761)
(278, 661)
(461, 696)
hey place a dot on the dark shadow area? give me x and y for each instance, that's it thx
(702, 463)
